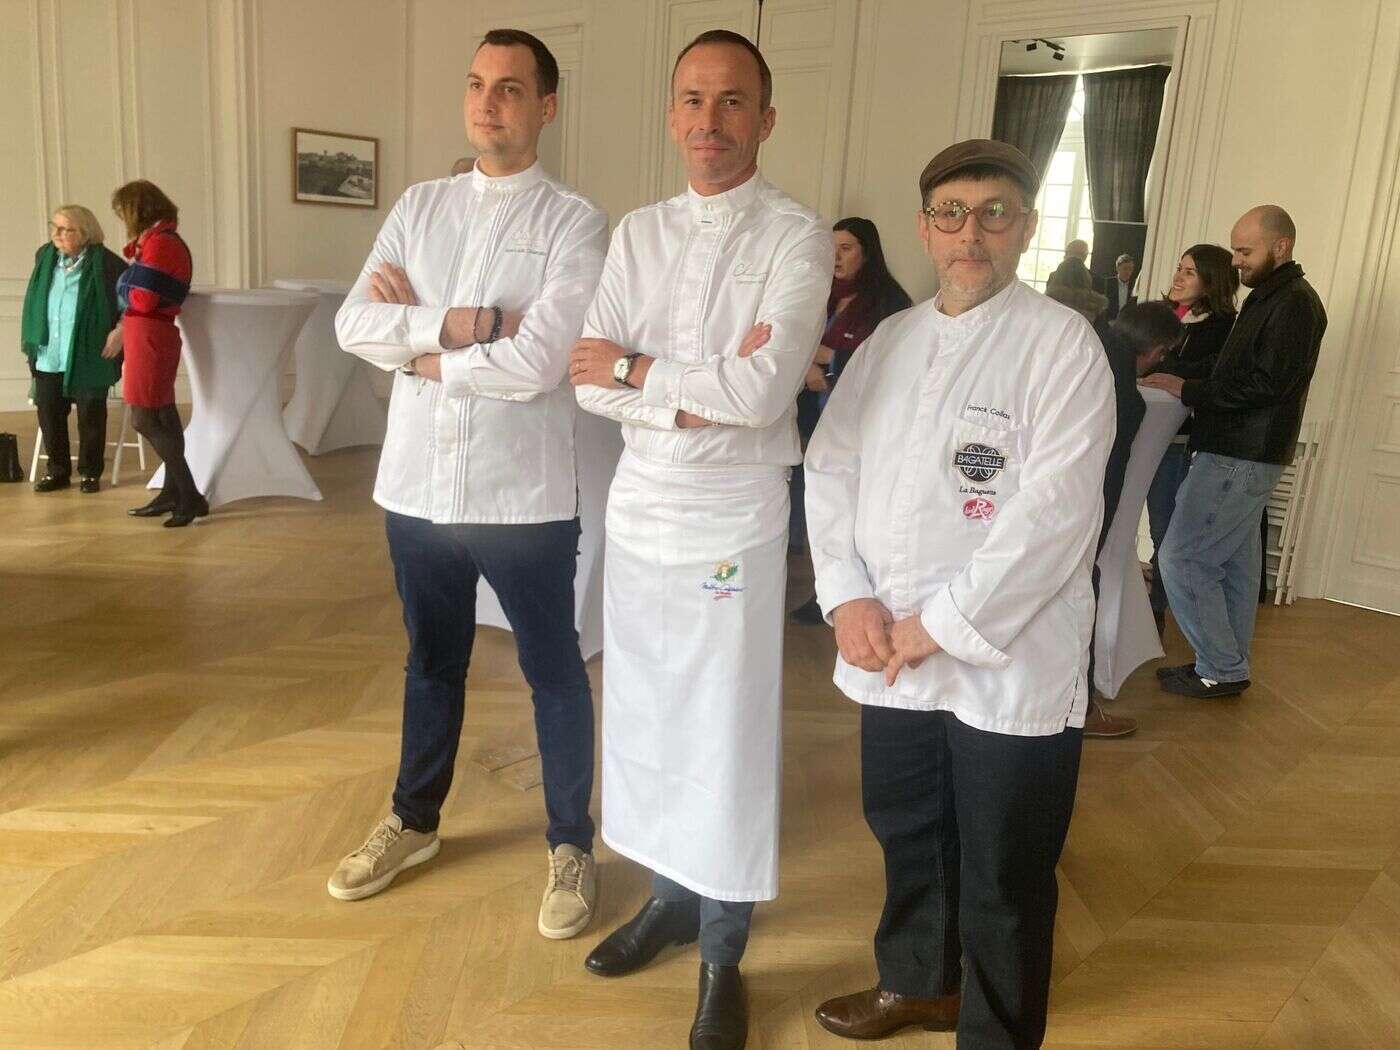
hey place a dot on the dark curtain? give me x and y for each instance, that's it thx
(1031, 113)
(1122, 110)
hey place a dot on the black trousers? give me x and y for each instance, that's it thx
(971, 824)
(53, 408)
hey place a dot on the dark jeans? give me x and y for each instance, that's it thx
(531, 569)
(724, 925)
(809, 411)
(53, 408)
(971, 824)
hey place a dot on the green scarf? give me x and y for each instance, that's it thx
(88, 371)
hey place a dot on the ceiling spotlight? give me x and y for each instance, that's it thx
(1030, 46)
(1058, 56)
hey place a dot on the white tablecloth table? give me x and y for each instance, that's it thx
(1125, 636)
(236, 343)
(333, 405)
(598, 444)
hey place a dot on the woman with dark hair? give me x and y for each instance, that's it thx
(863, 293)
(70, 308)
(1203, 295)
(150, 293)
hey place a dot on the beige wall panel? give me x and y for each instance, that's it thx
(330, 65)
(87, 86)
(904, 109)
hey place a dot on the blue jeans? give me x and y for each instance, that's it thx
(531, 569)
(1161, 501)
(1210, 560)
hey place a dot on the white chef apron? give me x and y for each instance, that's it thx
(693, 602)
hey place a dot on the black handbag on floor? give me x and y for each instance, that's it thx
(10, 470)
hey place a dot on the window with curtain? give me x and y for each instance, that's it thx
(1063, 201)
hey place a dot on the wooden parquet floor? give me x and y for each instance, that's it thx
(195, 725)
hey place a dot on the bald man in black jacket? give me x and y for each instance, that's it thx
(1248, 415)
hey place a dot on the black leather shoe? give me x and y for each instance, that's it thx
(722, 1012)
(49, 483)
(1175, 671)
(1198, 688)
(162, 504)
(90, 485)
(182, 516)
(636, 943)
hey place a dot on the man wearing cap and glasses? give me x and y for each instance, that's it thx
(955, 491)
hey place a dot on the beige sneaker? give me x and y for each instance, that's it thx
(390, 849)
(567, 908)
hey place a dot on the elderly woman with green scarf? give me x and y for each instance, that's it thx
(70, 307)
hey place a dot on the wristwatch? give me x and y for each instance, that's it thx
(622, 369)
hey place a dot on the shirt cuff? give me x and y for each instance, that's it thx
(425, 329)
(457, 378)
(840, 583)
(948, 627)
(1191, 391)
(662, 388)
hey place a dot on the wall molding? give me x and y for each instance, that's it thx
(1374, 178)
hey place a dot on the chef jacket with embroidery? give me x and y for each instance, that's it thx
(957, 474)
(685, 280)
(494, 441)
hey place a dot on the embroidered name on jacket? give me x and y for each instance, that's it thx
(526, 246)
(979, 462)
(749, 273)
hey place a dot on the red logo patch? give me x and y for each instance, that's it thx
(979, 509)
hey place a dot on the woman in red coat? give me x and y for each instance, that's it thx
(150, 292)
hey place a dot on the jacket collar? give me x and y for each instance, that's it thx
(726, 203)
(521, 180)
(979, 314)
(1285, 274)
(132, 247)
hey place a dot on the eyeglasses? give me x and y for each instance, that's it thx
(992, 217)
(54, 228)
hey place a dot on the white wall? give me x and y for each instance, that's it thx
(200, 95)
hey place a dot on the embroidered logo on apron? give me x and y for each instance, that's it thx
(720, 584)
(979, 509)
(979, 462)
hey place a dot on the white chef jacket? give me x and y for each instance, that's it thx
(957, 474)
(494, 441)
(684, 282)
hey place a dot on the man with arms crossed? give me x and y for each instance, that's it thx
(697, 522)
(955, 490)
(475, 290)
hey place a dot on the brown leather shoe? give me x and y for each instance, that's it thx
(876, 1013)
(1098, 722)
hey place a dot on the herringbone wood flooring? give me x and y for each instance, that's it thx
(194, 725)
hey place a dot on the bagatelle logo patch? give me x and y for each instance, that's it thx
(721, 582)
(979, 462)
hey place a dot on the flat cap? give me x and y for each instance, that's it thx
(980, 151)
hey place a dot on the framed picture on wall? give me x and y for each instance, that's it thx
(331, 168)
